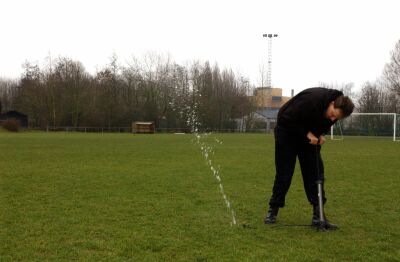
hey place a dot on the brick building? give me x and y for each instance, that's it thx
(268, 101)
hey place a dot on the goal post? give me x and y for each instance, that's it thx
(336, 131)
(368, 124)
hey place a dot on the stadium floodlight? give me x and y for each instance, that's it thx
(269, 36)
(368, 124)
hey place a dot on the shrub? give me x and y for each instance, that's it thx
(12, 125)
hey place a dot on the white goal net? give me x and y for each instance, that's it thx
(378, 125)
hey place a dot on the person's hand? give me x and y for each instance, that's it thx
(313, 139)
(321, 140)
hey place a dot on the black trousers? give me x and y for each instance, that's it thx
(288, 146)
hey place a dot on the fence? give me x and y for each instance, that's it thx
(158, 130)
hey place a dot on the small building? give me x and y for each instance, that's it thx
(268, 97)
(143, 127)
(268, 101)
(267, 115)
(14, 115)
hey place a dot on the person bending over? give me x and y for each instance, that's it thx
(301, 125)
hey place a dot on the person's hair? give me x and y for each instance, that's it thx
(345, 104)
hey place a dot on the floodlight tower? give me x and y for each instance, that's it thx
(270, 36)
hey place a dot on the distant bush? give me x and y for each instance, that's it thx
(12, 125)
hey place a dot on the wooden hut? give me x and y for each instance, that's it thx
(14, 115)
(143, 127)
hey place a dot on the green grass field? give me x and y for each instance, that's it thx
(125, 197)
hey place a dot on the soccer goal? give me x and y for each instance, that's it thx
(379, 125)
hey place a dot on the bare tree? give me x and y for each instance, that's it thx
(392, 70)
(263, 75)
(107, 83)
(131, 80)
(375, 98)
(346, 88)
(52, 94)
(72, 83)
(31, 96)
(8, 90)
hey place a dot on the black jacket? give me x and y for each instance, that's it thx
(305, 112)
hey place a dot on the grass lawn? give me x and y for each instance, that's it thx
(125, 197)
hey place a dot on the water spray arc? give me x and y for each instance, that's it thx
(207, 151)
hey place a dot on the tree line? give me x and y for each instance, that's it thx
(383, 95)
(156, 88)
(380, 96)
(63, 93)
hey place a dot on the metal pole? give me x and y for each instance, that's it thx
(394, 127)
(270, 36)
(319, 183)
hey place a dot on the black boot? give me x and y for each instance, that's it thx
(317, 223)
(271, 216)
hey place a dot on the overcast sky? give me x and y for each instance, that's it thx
(319, 41)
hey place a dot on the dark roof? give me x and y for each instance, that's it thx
(12, 114)
(268, 112)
